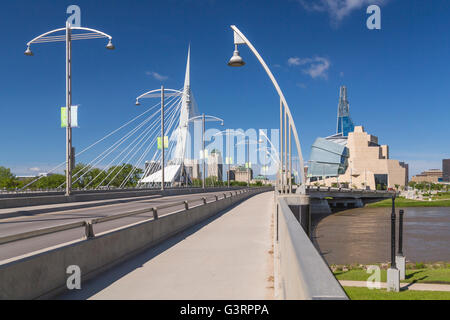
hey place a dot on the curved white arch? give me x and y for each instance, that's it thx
(44, 34)
(73, 28)
(142, 96)
(206, 118)
(93, 30)
(280, 93)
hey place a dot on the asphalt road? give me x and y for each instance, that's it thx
(39, 217)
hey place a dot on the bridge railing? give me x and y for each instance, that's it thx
(333, 189)
(88, 224)
(303, 274)
(6, 192)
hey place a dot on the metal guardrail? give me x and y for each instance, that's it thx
(331, 189)
(82, 191)
(88, 225)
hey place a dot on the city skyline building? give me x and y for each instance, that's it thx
(446, 170)
(353, 158)
(344, 122)
(431, 175)
(215, 165)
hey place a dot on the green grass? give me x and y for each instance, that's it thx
(428, 275)
(403, 203)
(355, 293)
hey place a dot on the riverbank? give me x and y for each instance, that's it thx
(432, 275)
(437, 273)
(356, 293)
(405, 203)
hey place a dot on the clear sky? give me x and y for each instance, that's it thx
(397, 77)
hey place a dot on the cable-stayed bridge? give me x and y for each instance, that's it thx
(167, 241)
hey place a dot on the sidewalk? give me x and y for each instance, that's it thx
(227, 257)
(403, 286)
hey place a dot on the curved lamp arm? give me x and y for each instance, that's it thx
(150, 94)
(280, 93)
(207, 118)
(93, 30)
(45, 34)
(62, 29)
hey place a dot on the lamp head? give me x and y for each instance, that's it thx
(236, 60)
(138, 103)
(110, 45)
(28, 52)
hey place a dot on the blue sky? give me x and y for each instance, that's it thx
(396, 76)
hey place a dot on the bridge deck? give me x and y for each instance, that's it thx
(227, 257)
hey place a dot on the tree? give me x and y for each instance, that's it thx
(7, 179)
(50, 182)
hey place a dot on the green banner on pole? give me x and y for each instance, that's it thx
(166, 143)
(63, 117)
(73, 117)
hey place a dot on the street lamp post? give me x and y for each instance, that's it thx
(204, 118)
(68, 38)
(163, 162)
(237, 61)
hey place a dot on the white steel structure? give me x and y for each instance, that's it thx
(174, 170)
(287, 126)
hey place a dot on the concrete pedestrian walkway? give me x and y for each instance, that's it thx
(403, 286)
(229, 256)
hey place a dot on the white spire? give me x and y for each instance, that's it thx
(187, 78)
(184, 114)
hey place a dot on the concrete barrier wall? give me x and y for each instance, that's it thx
(43, 275)
(303, 274)
(25, 200)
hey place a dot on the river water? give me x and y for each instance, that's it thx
(363, 235)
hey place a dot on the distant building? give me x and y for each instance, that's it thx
(264, 180)
(241, 174)
(215, 164)
(432, 175)
(446, 170)
(353, 157)
(406, 166)
(45, 174)
(344, 123)
(193, 168)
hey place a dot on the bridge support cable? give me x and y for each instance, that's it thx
(170, 127)
(153, 141)
(172, 120)
(91, 165)
(145, 132)
(92, 145)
